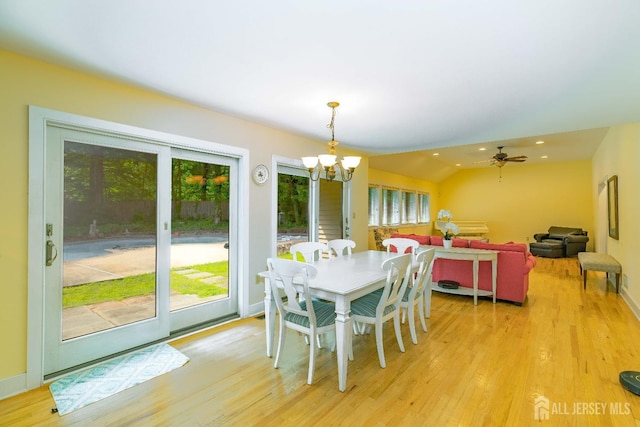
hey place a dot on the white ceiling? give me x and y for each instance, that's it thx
(410, 75)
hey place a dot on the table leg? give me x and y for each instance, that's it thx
(494, 277)
(475, 280)
(343, 339)
(269, 316)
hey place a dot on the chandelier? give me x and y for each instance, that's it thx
(328, 161)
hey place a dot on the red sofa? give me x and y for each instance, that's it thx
(514, 264)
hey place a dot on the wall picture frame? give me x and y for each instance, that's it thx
(612, 204)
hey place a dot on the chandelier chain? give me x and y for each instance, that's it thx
(327, 163)
(332, 124)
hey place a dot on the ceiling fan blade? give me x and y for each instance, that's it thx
(516, 159)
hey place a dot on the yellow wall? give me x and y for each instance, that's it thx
(619, 154)
(528, 199)
(27, 82)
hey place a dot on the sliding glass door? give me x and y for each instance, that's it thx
(140, 243)
(203, 238)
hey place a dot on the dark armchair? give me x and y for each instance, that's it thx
(559, 242)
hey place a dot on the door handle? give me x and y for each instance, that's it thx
(52, 253)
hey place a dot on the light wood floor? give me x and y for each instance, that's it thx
(482, 365)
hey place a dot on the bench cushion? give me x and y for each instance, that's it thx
(599, 262)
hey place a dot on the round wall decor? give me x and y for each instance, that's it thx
(260, 174)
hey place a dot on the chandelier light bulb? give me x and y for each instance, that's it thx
(310, 162)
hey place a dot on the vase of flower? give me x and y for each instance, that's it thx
(448, 228)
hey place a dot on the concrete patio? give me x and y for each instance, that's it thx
(83, 320)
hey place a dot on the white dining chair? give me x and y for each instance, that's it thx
(312, 320)
(401, 244)
(310, 251)
(376, 308)
(416, 293)
(338, 247)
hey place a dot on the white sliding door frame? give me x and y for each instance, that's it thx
(39, 119)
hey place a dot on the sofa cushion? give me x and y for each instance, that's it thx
(456, 242)
(436, 240)
(512, 247)
(551, 242)
(562, 232)
(420, 238)
(460, 243)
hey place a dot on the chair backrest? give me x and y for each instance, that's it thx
(310, 251)
(398, 271)
(422, 278)
(284, 271)
(401, 244)
(339, 246)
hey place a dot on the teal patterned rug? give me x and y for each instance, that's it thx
(108, 378)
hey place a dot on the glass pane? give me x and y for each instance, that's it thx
(109, 244)
(200, 233)
(390, 207)
(374, 206)
(293, 210)
(408, 208)
(423, 205)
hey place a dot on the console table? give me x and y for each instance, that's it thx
(474, 255)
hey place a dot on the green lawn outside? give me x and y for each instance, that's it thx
(144, 284)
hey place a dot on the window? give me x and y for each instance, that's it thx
(423, 208)
(392, 206)
(409, 208)
(374, 206)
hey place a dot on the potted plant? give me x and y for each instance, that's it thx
(446, 227)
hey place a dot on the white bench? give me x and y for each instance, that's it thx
(598, 262)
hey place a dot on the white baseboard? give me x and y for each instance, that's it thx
(13, 385)
(635, 308)
(256, 308)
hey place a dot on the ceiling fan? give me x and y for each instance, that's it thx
(500, 159)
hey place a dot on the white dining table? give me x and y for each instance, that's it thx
(341, 280)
